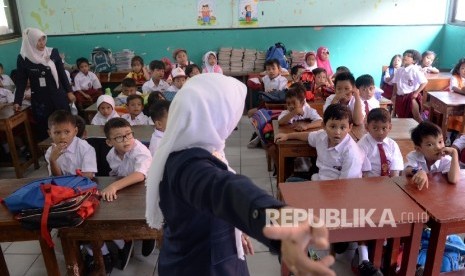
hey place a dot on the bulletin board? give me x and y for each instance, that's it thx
(65, 17)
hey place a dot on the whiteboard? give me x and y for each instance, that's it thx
(63, 17)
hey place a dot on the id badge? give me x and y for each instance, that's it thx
(42, 82)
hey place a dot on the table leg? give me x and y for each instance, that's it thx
(3, 266)
(378, 252)
(14, 153)
(32, 145)
(98, 257)
(50, 259)
(445, 120)
(435, 249)
(394, 250)
(72, 255)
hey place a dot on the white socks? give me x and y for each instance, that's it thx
(362, 253)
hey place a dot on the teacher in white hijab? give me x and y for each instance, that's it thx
(201, 203)
(43, 67)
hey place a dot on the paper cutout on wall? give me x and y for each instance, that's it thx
(248, 13)
(205, 11)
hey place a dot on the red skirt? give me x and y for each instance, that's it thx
(404, 105)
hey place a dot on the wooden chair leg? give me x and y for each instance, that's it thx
(268, 162)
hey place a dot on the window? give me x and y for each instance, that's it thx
(457, 12)
(9, 23)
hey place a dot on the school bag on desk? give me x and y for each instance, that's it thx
(278, 51)
(53, 202)
(102, 60)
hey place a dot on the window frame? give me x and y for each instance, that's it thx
(16, 25)
(452, 11)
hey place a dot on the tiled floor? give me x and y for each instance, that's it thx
(24, 258)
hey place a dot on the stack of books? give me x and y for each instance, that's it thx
(123, 60)
(248, 63)
(260, 61)
(224, 59)
(297, 58)
(236, 60)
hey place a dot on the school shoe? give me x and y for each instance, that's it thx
(147, 247)
(89, 264)
(124, 254)
(366, 268)
(253, 143)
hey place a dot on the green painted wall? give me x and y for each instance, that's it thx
(9, 50)
(452, 46)
(364, 49)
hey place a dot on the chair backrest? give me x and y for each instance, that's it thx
(101, 151)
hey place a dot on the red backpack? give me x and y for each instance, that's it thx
(308, 80)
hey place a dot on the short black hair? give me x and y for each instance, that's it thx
(364, 80)
(341, 69)
(456, 70)
(344, 76)
(295, 69)
(81, 60)
(424, 129)
(319, 70)
(414, 54)
(427, 53)
(155, 96)
(61, 116)
(158, 109)
(137, 58)
(272, 62)
(128, 82)
(133, 97)
(291, 93)
(81, 125)
(113, 123)
(156, 64)
(379, 115)
(337, 112)
(299, 89)
(190, 68)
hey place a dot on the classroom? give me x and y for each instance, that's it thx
(350, 111)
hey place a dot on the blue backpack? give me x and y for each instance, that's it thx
(102, 60)
(453, 252)
(261, 121)
(278, 51)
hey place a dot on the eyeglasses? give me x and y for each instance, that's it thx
(120, 139)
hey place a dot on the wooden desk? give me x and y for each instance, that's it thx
(143, 133)
(112, 77)
(447, 104)
(123, 218)
(444, 204)
(11, 230)
(379, 193)
(438, 81)
(9, 119)
(294, 148)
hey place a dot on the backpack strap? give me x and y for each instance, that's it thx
(44, 232)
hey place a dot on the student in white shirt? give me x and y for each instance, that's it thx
(273, 81)
(87, 87)
(156, 82)
(128, 87)
(135, 106)
(179, 78)
(338, 156)
(5, 80)
(366, 86)
(159, 114)
(347, 94)
(431, 156)
(68, 153)
(378, 126)
(106, 110)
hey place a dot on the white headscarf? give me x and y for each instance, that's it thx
(29, 50)
(208, 68)
(203, 114)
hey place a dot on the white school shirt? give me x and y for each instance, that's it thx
(455, 83)
(351, 104)
(408, 79)
(121, 99)
(172, 88)
(372, 103)
(7, 82)
(6, 96)
(309, 113)
(155, 141)
(342, 161)
(85, 82)
(390, 76)
(140, 119)
(78, 155)
(149, 86)
(278, 83)
(459, 143)
(416, 159)
(99, 120)
(136, 160)
(370, 148)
